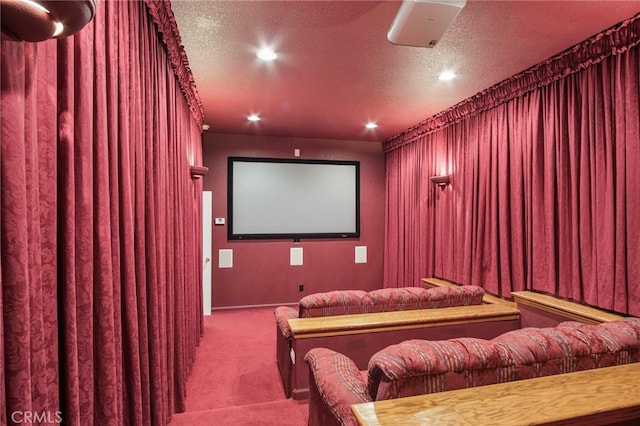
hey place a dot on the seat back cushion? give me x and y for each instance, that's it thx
(339, 302)
(444, 297)
(416, 367)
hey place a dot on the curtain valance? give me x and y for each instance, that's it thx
(610, 42)
(164, 19)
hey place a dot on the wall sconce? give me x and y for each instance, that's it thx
(441, 181)
(198, 171)
(34, 21)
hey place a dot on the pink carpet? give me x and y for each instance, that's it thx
(235, 379)
(285, 412)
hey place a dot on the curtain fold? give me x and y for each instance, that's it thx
(101, 222)
(28, 231)
(544, 177)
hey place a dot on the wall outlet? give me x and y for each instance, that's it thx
(301, 287)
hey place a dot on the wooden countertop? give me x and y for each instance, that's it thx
(592, 397)
(399, 320)
(570, 310)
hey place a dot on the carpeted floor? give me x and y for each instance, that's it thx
(235, 379)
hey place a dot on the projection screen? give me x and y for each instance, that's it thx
(292, 198)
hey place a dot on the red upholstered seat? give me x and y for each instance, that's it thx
(346, 302)
(283, 314)
(416, 367)
(338, 384)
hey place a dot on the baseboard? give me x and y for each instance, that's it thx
(268, 305)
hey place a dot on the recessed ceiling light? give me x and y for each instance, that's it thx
(446, 76)
(371, 125)
(266, 54)
(253, 117)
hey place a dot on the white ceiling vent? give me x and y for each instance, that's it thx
(421, 23)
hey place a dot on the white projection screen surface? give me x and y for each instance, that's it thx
(291, 198)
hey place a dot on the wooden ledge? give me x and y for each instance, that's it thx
(438, 282)
(339, 325)
(592, 397)
(564, 308)
(487, 298)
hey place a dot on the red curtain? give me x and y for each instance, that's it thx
(101, 222)
(545, 171)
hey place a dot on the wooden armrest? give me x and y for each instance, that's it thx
(438, 282)
(599, 396)
(570, 310)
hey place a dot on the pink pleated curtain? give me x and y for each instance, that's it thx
(545, 178)
(100, 221)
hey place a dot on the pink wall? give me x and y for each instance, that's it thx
(261, 273)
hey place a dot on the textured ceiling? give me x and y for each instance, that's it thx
(336, 70)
